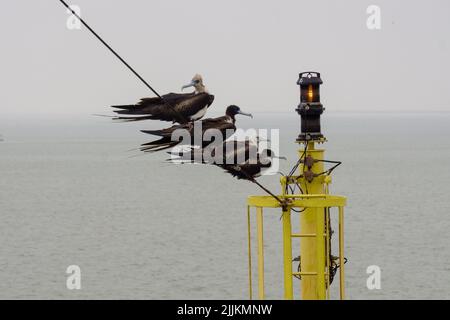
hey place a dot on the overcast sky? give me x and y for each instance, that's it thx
(249, 53)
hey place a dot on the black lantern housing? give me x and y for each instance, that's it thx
(310, 107)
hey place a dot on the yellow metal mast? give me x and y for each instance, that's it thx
(312, 222)
(314, 203)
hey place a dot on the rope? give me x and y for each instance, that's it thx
(252, 179)
(329, 171)
(122, 60)
(303, 156)
(283, 203)
(110, 49)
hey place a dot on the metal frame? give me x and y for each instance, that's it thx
(320, 203)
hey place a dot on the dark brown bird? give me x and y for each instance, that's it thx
(239, 158)
(225, 124)
(175, 107)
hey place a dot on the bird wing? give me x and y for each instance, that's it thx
(151, 105)
(243, 171)
(236, 152)
(247, 168)
(220, 123)
(167, 132)
(170, 107)
(165, 108)
(216, 132)
(193, 104)
(171, 98)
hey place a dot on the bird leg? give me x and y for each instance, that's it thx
(190, 125)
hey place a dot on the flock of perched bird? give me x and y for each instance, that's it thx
(186, 109)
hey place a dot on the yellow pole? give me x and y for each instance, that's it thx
(250, 286)
(341, 254)
(259, 227)
(287, 253)
(320, 252)
(311, 288)
(328, 248)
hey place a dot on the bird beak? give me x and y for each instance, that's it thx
(281, 158)
(246, 114)
(188, 85)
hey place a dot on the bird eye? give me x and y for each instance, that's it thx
(197, 81)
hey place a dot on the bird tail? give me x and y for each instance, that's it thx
(158, 145)
(130, 119)
(137, 112)
(147, 109)
(163, 132)
(135, 109)
(153, 132)
(193, 155)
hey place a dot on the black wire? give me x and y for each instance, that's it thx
(305, 141)
(299, 277)
(110, 49)
(292, 189)
(299, 161)
(329, 171)
(304, 163)
(295, 168)
(121, 59)
(252, 179)
(296, 183)
(330, 161)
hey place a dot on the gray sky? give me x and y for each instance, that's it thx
(249, 53)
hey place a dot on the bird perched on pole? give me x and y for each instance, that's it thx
(176, 107)
(239, 158)
(169, 137)
(248, 164)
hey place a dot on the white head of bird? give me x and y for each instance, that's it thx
(197, 83)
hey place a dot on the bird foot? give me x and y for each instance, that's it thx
(190, 125)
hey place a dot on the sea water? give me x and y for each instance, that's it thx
(77, 192)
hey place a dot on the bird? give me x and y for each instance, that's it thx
(241, 159)
(175, 107)
(251, 168)
(224, 124)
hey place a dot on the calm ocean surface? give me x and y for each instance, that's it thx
(71, 194)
